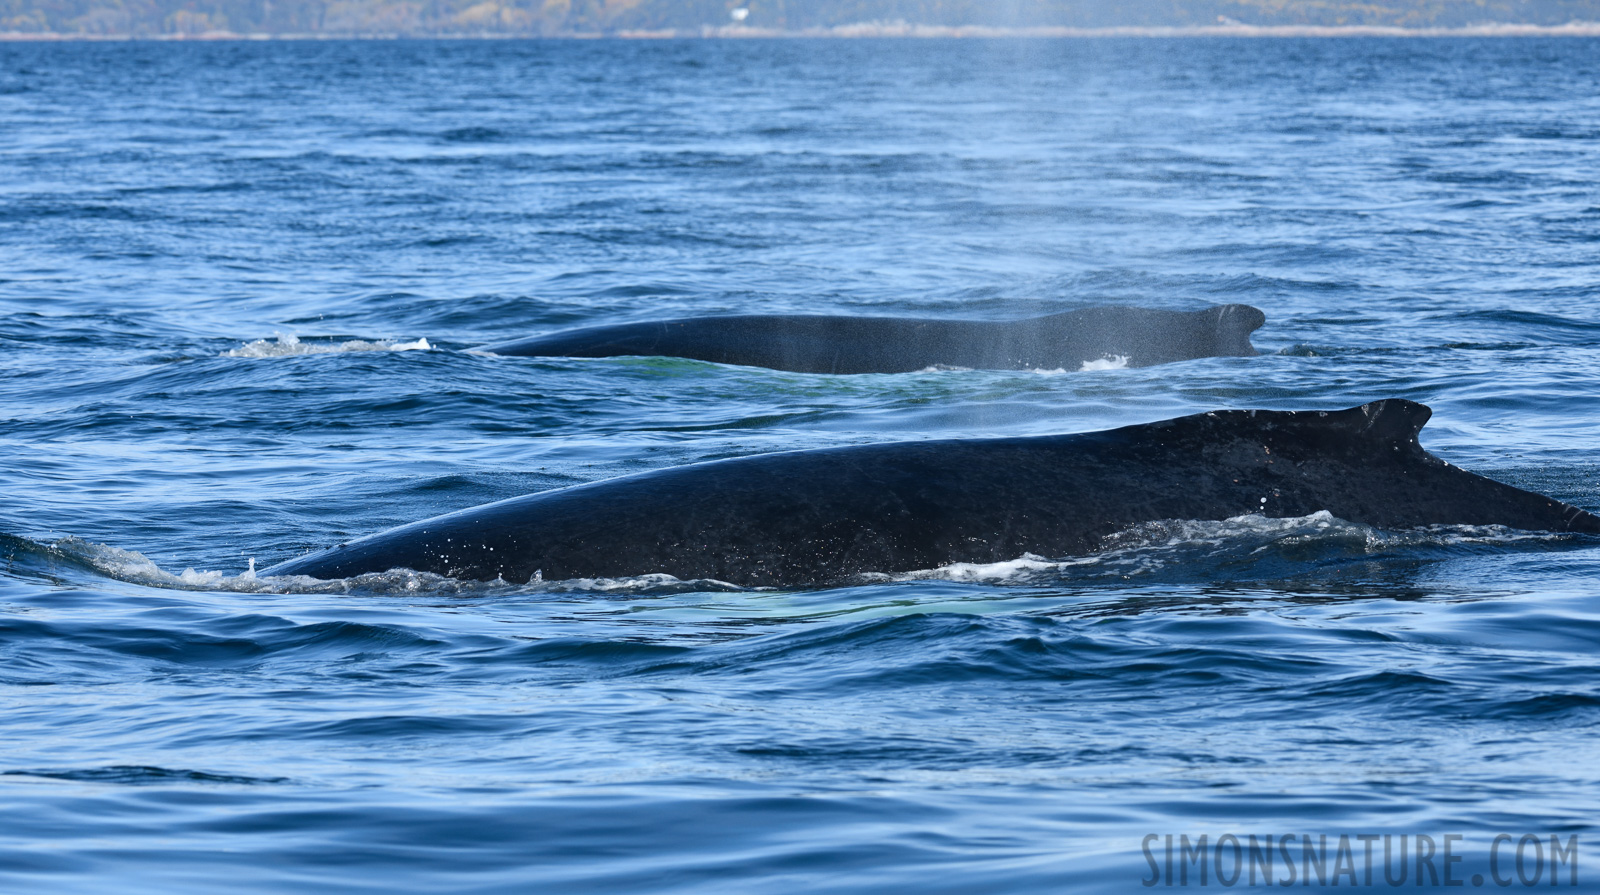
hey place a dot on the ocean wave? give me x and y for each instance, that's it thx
(143, 775)
(73, 553)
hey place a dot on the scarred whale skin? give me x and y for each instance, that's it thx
(1139, 337)
(821, 516)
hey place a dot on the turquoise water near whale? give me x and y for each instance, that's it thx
(238, 282)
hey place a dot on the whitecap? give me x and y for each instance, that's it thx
(1109, 362)
(289, 345)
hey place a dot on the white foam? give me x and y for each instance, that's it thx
(1251, 527)
(288, 345)
(1109, 362)
(657, 581)
(136, 568)
(1152, 546)
(991, 571)
(131, 566)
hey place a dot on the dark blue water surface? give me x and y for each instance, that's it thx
(236, 285)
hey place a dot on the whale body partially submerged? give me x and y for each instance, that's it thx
(800, 343)
(816, 517)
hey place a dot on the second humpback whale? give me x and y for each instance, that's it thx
(821, 516)
(800, 343)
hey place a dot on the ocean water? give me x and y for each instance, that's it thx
(238, 285)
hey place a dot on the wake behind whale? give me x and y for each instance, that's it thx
(817, 517)
(802, 343)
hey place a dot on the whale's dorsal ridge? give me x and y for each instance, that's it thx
(844, 343)
(1388, 422)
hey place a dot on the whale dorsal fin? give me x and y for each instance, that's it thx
(1393, 421)
(1234, 324)
(1242, 317)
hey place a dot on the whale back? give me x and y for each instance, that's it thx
(806, 343)
(819, 516)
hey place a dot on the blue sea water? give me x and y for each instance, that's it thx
(237, 286)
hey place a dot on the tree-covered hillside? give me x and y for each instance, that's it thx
(351, 17)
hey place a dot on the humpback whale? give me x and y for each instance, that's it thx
(816, 517)
(1136, 337)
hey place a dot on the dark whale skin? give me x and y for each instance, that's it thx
(822, 344)
(807, 518)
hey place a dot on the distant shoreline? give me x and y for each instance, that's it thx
(878, 30)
